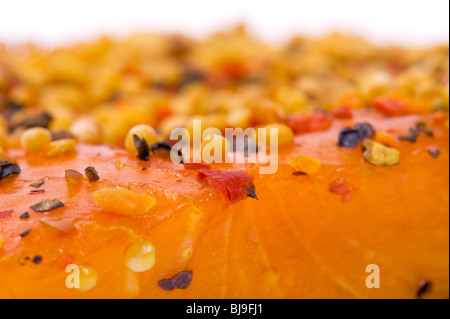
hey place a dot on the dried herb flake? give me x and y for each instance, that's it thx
(37, 184)
(47, 205)
(411, 136)
(8, 169)
(142, 148)
(40, 120)
(92, 174)
(423, 128)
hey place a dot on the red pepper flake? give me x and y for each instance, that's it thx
(319, 121)
(344, 112)
(233, 185)
(341, 187)
(6, 213)
(197, 166)
(389, 106)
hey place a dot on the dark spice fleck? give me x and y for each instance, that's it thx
(47, 205)
(25, 233)
(180, 156)
(92, 174)
(60, 135)
(191, 75)
(349, 137)
(37, 184)
(434, 152)
(37, 259)
(166, 284)
(142, 148)
(25, 215)
(12, 107)
(424, 287)
(164, 145)
(365, 129)
(144, 168)
(411, 136)
(23, 260)
(40, 120)
(115, 96)
(8, 169)
(183, 280)
(299, 173)
(180, 281)
(37, 191)
(251, 192)
(423, 128)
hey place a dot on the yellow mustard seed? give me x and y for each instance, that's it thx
(140, 256)
(142, 131)
(305, 164)
(123, 201)
(35, 139)
(379, 154)
(61, 147)
(88, 278)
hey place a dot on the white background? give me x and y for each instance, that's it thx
(52, 22)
